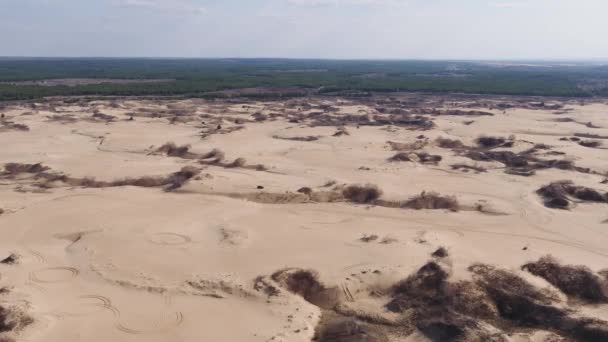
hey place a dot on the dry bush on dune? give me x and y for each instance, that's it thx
(362, 193)
(341, 131)
(173, 150)
(440, 252)
(216, 154)
(10, 260)
(557, 194)
(238, 162)
(305, 138)
(431, 200)
(466, 167)
(13, 319)
(12, 126)
(305, 190)
(574, 280)
(397, 146)
(449, 143)
(306, 284)
(590, 143)
(489, 142)
(17, 168)
(421, 157)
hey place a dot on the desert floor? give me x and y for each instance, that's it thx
(232, 251)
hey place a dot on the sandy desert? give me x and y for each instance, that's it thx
(401, 217)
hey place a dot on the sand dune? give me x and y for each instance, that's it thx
(236, 220)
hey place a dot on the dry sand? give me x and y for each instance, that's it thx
(130, 263)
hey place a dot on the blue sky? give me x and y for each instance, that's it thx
(395, 29)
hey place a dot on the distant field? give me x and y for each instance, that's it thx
(21, 78)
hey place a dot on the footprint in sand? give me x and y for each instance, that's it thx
(167, 321)
(169, 239)
(53, 275)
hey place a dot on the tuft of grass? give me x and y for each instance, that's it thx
(431, 200)
(368, 193)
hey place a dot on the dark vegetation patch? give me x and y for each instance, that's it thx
(304, 138)
(559, 194)
(340, 132)
(42, 177)
(449, 143)
(440, 252)
(305, 190)
(523, 163)
(10, 260)
(489, 142)
(467, 167)
(13, 319)
(214, 157)
(576, 281)
(590, 143)
(369, 238)
(173, 150)
(13, 169)
(368, 193)
(7, 125)
(420, 157)
(416, 145)
(431, 200)
(590, 136)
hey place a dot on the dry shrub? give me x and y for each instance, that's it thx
(10, 260)
(493, 142)
(574, 280)
(17, 168)
(466, 167)
(179, 178)
(340, 132)
(173, 150)
(343, 329)
(557, 194)
(441, 252)
(305, 138)
(416, 145)
(447, 311)
(421, 157)
(13, 319)
(368, 193)
(216, 154)
(449, 143)
(238, 162)
(369, 238)
(431, 200)
(590, 143)
(306, 284)
(9, 125)
(507, 158)
(305, 190)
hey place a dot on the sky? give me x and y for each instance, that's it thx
(337, 29)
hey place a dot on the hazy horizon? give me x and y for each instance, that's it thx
(472, 30)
